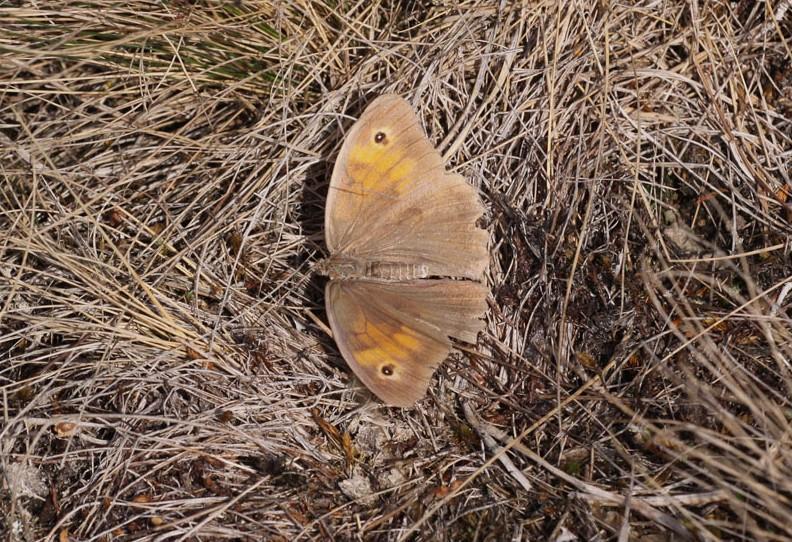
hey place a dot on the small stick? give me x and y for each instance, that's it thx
(495, 448)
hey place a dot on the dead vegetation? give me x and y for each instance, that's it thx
(164, 371)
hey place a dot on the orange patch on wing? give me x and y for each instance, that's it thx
(380, 169)
(382, 342)
(387, 350)
(385, 340)
(407, 339)
(370, 356)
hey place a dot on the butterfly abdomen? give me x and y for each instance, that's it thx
(346, 267)
(396, 271)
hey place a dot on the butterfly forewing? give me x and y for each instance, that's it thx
(448, 308)
(395, 360)
(391, 200)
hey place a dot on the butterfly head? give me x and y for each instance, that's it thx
(338, 267)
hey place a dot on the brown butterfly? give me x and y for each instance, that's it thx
(402, 235)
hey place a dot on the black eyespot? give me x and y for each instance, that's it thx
(387, 370)
(379, 137)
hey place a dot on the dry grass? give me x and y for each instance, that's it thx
(163, 171)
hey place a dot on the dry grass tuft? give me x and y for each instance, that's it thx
(163, 170)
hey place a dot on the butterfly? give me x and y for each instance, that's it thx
(406, 256)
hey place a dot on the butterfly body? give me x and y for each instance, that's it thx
(351, 268)
(406, 254)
